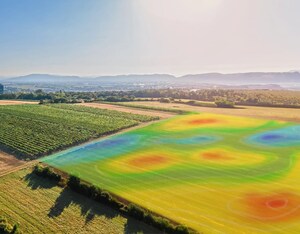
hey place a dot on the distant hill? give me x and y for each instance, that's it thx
(44, 78)
(251, 80)
(246, 78)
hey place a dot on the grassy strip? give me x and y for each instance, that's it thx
(149, 107)
(108, 199)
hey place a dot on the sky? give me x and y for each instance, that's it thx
(109, 37)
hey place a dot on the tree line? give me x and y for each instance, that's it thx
(283, 98)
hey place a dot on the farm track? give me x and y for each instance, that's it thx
(17, 168)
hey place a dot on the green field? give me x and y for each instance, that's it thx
(38, 206)
(29, 131)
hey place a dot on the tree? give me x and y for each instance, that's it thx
(224, 104)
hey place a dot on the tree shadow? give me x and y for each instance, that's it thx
(36, 182)
(134, 226)
(87, 206)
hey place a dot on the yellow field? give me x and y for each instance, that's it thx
(286, 114)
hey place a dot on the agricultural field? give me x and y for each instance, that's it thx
(15, 102)
(214, 173)
(30, 131)
(276, 113)
(39, 206)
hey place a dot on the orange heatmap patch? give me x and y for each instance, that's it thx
(215, 156)
(143, 161)
(227, 157)
(206, 120)
(149, 160)
(202, 121)
(282, 206)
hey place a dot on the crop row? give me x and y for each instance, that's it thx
(30, 131)
(112, 113)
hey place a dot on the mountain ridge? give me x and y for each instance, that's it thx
(283, 79)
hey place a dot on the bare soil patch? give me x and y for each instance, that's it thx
(13, 102)
(160, 114)
(9, 163)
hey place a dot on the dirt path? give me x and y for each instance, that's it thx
(9, 164)
(160, 114)
(12, 102)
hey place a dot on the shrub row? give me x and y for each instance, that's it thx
(224, 104)
(158, 222)
(106, 198)
(47, 172)
(94, 193)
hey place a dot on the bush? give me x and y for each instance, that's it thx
(74, 183)
(46, 172)
(180, 229)
(224, 104)
(164, 100)
(136, 212)
(7, 228)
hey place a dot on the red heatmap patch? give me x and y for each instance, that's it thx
(277, 207)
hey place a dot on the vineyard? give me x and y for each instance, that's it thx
(30, 131)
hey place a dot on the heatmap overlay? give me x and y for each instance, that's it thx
(214, 173)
